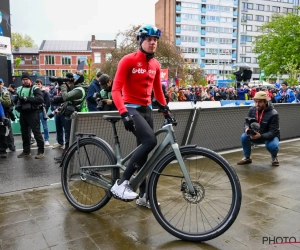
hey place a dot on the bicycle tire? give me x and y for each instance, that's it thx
(207, 170)
(84, 194)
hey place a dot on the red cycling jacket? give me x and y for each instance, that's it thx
(135, 78)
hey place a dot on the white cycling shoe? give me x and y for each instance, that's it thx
(123, 191)
(141, 201)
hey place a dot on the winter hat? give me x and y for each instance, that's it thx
(1, 80)
(104, 79)
(25, 75)
(261, 95)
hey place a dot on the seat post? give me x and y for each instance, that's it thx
(113, 123)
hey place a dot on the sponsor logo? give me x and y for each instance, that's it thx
(3, 46)
(139, 64)
(139, 71)
(150, 71)
(162, 74)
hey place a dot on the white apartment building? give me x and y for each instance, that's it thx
(216, 34)
(252, 15)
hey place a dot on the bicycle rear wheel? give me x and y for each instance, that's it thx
(83, 193)
(199, 217)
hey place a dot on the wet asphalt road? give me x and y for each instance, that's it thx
(41, 218)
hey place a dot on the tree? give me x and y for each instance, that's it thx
(91, 72)
(278, 46)
(19, 40)
(167, 53)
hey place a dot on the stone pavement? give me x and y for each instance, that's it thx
(42, 218)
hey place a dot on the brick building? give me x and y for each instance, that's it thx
(29, 59)
(56, 57)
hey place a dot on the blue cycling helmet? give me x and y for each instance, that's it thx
(147, 30)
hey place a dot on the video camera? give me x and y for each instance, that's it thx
(98, 98)
(61, 80)
(254, 126)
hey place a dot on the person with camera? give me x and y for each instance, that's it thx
(285, 95)
(56, 101)
(44, 109)
(261, 126)
(93, 88)
(73, 94)
(105, 102)
(8, 107)
(137, 75)
(28, 103)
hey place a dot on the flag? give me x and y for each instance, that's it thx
(207, 78)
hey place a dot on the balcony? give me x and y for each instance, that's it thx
(233, 55)
(203, 10)
(178, 41)
(203, 32)
(203, 21)
(204, 1)
(234, 45)
(234, 34)
(178, 30)
(236, 3)
(202, 53)
(202, 65)
(235, 13)
(178, 19)
(202, 42)
(178, 7)
(234, 24)
(243, 20)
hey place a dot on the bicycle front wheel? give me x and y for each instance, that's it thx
(83, 193)
(214, 206)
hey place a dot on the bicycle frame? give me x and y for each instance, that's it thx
(136, 180)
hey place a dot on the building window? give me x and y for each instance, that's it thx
(82, 58)
(249, 27)
(191, 60)
(250, 6)
(248, 49)
(268, 7)
(107, 56)
(189, 50)
(276, 9)
(260, 18)
(49, 59)
(50, 72)
(33, 61)
(245, 39)
(246, 59)
(97, 57)
(255, 60)
(256, 71)
(66, 60)
(260, 7)
(64, 72)
(22, 62)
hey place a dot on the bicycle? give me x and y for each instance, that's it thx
(198, 191)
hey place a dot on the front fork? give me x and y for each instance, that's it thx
(183, 168)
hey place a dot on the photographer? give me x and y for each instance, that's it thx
(105, 102)
(93, 88)
(56, 101)
(46, 106)
(8, 106)
(73, 93)
(262, 126)
(285, 95)
(28, 101)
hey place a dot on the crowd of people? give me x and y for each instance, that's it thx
(279, 93)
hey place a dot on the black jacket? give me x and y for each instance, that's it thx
(269, 126)
(46, 97)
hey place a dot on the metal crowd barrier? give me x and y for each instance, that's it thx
(215, 128)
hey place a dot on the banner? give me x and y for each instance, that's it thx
(212, 76)
(232, 103)
(5, 47)
(5, 29)
(164, 74)
(207, 77)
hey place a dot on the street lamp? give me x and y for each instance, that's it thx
(115, 40)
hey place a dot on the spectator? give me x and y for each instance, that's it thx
(106, 86)
(192, 96)
(252, 92)
(241, 92)
(181, 96)
(93, 88)
(285, 95)
(174, 94)
(217, 94)
(44, 122)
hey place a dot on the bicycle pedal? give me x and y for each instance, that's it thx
(118, 198)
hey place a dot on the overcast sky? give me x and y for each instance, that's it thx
(77, 19)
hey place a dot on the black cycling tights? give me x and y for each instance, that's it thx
(144, 134)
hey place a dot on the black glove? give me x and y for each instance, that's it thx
(23, 99)
(128, 122)
(164, 109)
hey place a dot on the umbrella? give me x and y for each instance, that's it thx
(241, 64)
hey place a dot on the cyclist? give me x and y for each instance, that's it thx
(137, 75)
